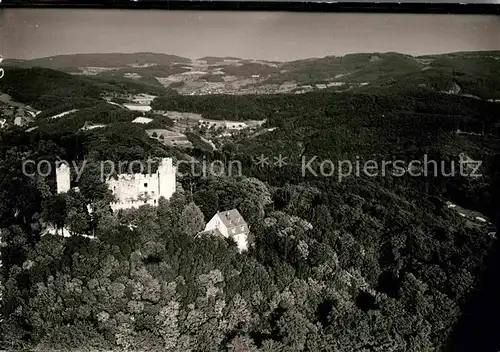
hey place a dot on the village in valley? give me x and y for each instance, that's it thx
(211, 132)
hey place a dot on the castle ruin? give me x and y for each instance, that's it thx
(132, 190)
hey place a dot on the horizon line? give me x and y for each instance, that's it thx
(246, 58)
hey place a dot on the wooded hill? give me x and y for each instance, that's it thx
(366, 264)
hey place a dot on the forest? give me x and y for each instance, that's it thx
(366, 264)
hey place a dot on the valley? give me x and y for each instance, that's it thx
(213, 75)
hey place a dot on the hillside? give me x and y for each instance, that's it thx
(114, 60)
(48, 89)
(385, 262)
(471, 73)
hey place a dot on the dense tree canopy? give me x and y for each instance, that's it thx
(359, 264)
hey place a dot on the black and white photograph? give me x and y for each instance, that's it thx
(249, 181)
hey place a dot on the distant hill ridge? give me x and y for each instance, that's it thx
(110, 60)
(123, 59)
(475, 73)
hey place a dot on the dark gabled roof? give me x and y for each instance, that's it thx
(231, 218)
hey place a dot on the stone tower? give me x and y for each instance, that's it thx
(63, 178)
(166, 178)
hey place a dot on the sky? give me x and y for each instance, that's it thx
(280, 36)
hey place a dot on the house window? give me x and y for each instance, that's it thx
(145, 185)
(242, 228)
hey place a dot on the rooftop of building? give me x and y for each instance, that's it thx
(231, 218)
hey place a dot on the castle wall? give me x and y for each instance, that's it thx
(167, 178)
(132, 190)
(132, 187)
(63, 178)
(115, 206)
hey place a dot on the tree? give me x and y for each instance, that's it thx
(192, 220)
(78, 218)
(242, 344)
(91, 186)
(54, 210)
(170, 211)
(167, 324)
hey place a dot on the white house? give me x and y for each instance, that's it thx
(143, 120)
(137, 107)
(230, 224)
